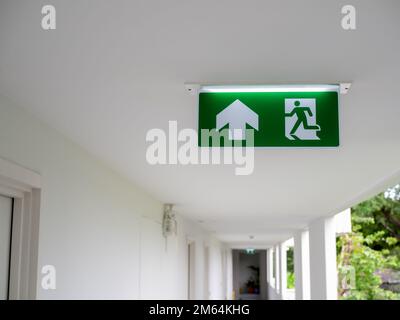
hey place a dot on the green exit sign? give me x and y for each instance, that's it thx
(279, 117)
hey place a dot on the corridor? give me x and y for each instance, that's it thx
(186, 150)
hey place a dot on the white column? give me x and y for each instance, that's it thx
(302, 265)
(323, 273)
(270, 267)
(199, 269)
(277, 263)
(229, 275)
(282, 270)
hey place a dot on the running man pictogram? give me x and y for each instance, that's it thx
(301, 113)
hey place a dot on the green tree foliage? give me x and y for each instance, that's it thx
(380, 214)
(290, 268)
(358, 266)
(374, 246)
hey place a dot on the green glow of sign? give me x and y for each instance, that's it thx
(298, 118)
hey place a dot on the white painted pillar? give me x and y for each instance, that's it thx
(302, 265)
(323, 273)
(270, 267)
(229, 275)
(199, 269)
(282, 270)
(277, 263)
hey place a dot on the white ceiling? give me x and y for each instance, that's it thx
(112, 70)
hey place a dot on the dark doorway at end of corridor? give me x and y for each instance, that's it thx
(249, 274)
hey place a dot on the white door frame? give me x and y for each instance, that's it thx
(24, 186)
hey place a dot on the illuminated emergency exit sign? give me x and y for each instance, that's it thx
(302, 116)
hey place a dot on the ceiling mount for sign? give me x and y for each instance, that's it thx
(345, 87)
(192, 88)
(195, 88)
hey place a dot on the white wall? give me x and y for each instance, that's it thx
(217, 280)
(163, 263)
(101, 233)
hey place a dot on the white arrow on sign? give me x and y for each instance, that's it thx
(237, 114)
